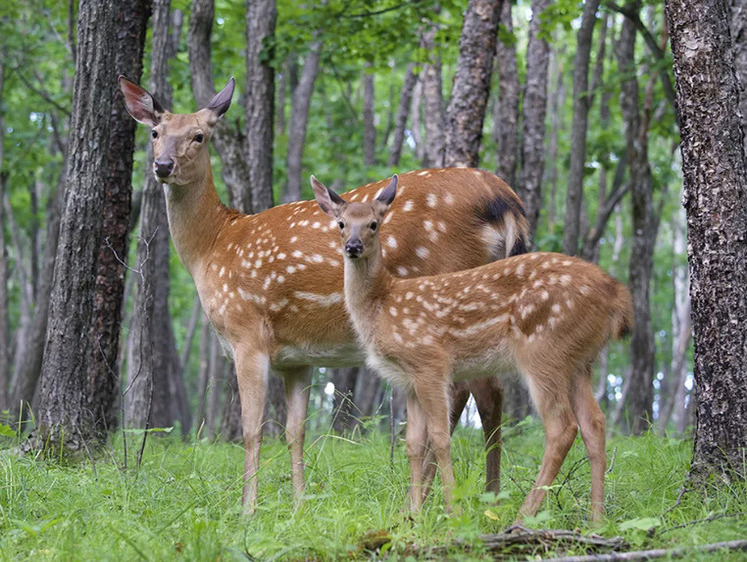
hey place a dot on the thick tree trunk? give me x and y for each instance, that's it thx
(557, 98)
(469, 93)
(533, 122)
(715, 184)
(228, 138)
(403, 110)
(260, 98)
(300, 104)
(132, 18)
(738, 29)
(575, 192)
(369, 127)
(67, 417)
(433, 103)
(506, 119)
(645, 225)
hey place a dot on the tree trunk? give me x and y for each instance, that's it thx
(739, 45)
(131, 25)
(403, 109)
(344, 410)
(715, 185)
(469, 93)
(433, 103)
(578, 129)
(228, 138)
(557, 98)
(67, 417)
(149, 363)
(4, 313)
(260, 98)
(506, 120)
(645, 225)
(300, 103)
(533, 123)
(369, 127)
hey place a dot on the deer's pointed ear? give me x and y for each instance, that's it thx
(221, 102)
(327, 199)
(387, 196)
(140, 104)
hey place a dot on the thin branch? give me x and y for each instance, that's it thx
(41, 92)
(708, 519)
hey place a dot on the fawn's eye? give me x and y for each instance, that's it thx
(154, 134)
(373, 226)
(199, 137)
(341, 224)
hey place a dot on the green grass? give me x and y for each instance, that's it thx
(183, 503)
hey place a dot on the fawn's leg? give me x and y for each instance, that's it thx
(252, 370)
(488, 394)
(459, 396)
(297, 390)
(415, 440)
(593, 426)
(550, 395)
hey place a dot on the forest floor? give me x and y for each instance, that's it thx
(183, 502)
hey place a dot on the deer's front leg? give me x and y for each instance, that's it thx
(252, 370)
(297, 390)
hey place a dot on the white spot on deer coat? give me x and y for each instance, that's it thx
(391, 241)
(322, 300)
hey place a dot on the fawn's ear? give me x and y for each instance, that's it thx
(140, 104)
(327, 199)
(387, 196)
(220, 102)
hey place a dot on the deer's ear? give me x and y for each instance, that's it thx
(387, 196)
(140, 104)
(221, 102)
(327, 199)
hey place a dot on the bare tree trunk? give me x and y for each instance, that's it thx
(433, 103)
(203, 374)
(579, 127)
(469, 93)
(67, 418)
(299, 118)
(228, 138)
(738, 29)
(403, 109)
(219, 371)
(369, 127)
(416, 122)
(4, 315)
(715, 183)
(533, 122)
(260, 98)
(645, 225)
(557, 98)
(506, 120)
(344, 409)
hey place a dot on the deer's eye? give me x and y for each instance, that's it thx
(373, 226)
(154, 134)
(199, 137)
(341, 224)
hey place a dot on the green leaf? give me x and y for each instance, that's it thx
(6, 430)
(640, 523)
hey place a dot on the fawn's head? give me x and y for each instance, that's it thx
(358, 222)
(180, 152)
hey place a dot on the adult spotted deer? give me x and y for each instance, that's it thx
(547, 315)
(271, 283)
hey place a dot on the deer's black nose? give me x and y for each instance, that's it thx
(354, 248)
(163, 167)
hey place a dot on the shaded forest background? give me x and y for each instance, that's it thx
(580, 122)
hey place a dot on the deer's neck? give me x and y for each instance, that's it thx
(196, 216)
(367, 284)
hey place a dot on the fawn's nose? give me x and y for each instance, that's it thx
(163, 167)
(354, 248)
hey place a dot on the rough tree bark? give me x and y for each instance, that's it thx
(574, 194)
(715, 184)
(4, 315)
(469, 92)
(433, 103)
(506, 119)
(132, 18)
(299, 119)
(66, 416)
(645, 225)
(738, 30)
(403, 110)
(260, 98)
(533, 122)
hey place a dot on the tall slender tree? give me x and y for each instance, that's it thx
(506, 119)
(715, 183)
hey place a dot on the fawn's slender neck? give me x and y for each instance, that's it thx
(196, 216)
(367, 283)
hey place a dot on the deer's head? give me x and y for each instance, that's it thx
(358, 222)
(180, 153)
